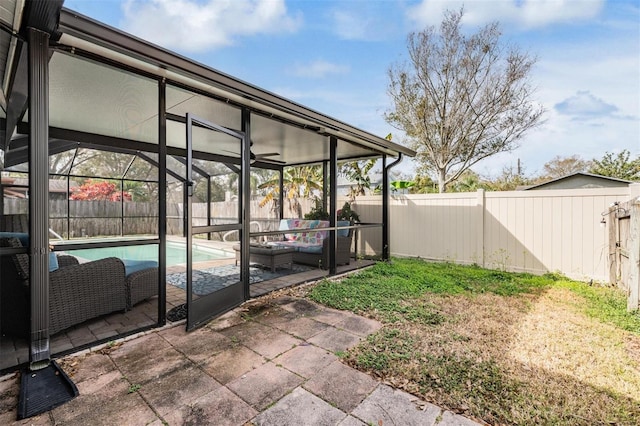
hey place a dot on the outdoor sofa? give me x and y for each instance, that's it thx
(311, 243)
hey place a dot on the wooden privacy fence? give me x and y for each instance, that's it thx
(528, 231)
(94, 218)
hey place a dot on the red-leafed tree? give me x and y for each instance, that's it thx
(91, 190)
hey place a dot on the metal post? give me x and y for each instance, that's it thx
(325, 185)
(162, 200)
(333, 202)
(69, 205)
(245, 201)
(121, 207)
(73, 160)
(209, 205)
(38, 47)
(280, 194)
(385, 209)
(126, 171)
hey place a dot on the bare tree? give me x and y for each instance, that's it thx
(559, 167)
(460, 99)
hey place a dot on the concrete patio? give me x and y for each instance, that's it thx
(270, 362)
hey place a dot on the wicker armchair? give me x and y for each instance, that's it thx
(77, 292)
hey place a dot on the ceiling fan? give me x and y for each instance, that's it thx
(261, 157)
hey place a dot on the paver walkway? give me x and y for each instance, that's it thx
(269, 364)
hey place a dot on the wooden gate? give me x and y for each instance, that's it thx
(624, 249)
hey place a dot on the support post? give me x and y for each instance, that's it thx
(162, 200)
(333, 202)
(38, 47)
(280, 193)
(245, 201)
(385, 210)
(209, 205)
(325, 185)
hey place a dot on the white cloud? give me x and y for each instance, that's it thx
(351, 26)
(584, 106)
(191, 25)
(524, 13)
(319, 69)
(368, 21)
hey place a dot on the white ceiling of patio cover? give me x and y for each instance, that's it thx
(95, 98)
(92, 97)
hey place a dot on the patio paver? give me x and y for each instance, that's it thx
(335, 340)
(264, 385)
(123, 407)
(359, 325)
(221, 374)
(147, 358)
(180, 387)
(303, 327)
(306, 360)
(386, 405)
(266, 341)
(300, 408)
(220, 407)
(198, 345)
(341, 385)
(232, 363)
(351, 421)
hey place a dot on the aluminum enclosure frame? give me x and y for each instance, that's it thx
(90, 39)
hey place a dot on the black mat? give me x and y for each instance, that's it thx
(43, 390)
(178, 313)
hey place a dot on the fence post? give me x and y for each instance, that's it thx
(480, 225)
(614, 261)
(634, 257)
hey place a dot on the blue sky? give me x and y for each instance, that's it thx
(333, 56)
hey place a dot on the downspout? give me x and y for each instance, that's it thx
(386, 252)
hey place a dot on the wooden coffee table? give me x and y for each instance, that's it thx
(269, 256)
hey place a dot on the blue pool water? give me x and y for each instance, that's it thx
(176, 253)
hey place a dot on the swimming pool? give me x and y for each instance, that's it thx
(176, 253)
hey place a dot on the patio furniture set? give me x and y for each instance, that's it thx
(307, 245)
(82, 291)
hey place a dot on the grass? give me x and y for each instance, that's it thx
(502, 347)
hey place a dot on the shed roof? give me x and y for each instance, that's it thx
(574, 176)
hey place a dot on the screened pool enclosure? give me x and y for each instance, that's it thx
(134, 180)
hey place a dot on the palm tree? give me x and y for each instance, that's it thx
(298, 182)
(358, 173)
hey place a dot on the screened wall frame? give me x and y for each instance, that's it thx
(76, 38)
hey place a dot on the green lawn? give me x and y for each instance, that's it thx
(497, 346)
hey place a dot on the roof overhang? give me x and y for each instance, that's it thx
(83, 33)
(83, 47)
